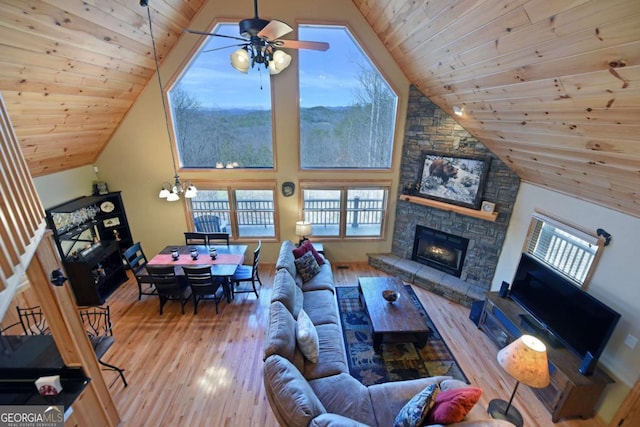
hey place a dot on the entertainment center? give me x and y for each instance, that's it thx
(575, 327)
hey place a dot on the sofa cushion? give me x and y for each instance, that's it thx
(307, 266)
(290, 395)
(453, 405)
(321, 306)
(322, 280)
(286, 291)
(415, 411)
(342, 394)
(307, 246)
(281, 332)
(285, 258)
(307, 337)
(334, 420)
(331, 359)
(387, 399)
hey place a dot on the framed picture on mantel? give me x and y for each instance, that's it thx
(453, 178)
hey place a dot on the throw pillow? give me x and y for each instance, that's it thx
(452, 406)
(415, 411)
(307, 246)
(307, 337)
(307, 266)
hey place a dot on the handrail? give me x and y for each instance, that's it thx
(21, 212)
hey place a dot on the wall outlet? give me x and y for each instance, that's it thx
(630, 341)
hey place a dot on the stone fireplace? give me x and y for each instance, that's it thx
(439, 250)
(428, 128)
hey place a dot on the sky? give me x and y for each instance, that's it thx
(327, 78)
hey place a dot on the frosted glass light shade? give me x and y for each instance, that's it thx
(240, 60)
(281, 60)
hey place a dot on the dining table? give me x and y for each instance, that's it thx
(224, 266)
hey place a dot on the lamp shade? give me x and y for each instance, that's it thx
(240, 60)
(525, 359)
(303, 228)
(281, 60)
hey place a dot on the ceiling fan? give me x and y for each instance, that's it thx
(261, 43)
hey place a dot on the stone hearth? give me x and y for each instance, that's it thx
(433, 280)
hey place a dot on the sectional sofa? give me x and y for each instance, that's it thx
(322, 393)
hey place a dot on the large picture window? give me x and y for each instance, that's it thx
(222, 117)
(347, 109)
(345, 212)
(243, 213)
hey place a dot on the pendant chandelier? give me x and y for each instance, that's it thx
(168, 191)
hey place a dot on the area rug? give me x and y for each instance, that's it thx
(396, 361)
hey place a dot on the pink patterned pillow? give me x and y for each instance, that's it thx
(453, 405)
(307, 246)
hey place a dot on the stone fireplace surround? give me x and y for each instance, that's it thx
(430, 128)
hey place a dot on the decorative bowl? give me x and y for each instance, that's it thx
(390, 295)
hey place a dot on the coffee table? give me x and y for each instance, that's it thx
(398, 321)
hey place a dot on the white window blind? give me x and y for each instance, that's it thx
(563, 247)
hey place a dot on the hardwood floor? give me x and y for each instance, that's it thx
(206, 369)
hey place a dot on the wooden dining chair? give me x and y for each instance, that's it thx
(247, 273)
(33, 321)
(204, 285)
(169, 286)
(97, 324)
(195, 238)
(137, 262)
(217, 239)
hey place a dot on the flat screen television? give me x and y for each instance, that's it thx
(581, 322)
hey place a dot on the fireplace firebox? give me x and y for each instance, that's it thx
(439, 250)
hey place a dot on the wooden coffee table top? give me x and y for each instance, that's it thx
(399, 316)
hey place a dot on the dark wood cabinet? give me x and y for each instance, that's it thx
(91, 232)
(569, 394)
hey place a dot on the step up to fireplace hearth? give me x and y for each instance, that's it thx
(433, 280)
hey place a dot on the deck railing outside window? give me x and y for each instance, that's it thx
(321, 212)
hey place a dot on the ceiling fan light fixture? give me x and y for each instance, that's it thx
(240, 60)
(280, 61)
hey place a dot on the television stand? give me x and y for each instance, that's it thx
(533, 327)
(569, 394)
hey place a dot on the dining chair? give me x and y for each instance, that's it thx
(204, 285)
(217, 239)
(195, 238)
(169, 286)
(97, 324)
(33, 321)
(137, 262)
(247, 273)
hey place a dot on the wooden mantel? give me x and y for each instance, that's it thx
(487, 216)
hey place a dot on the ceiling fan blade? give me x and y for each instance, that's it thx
(299, 44)
(202, 33)
(224, 47)
(274, 30)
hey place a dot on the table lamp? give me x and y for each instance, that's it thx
(303, 229)
(525, 359)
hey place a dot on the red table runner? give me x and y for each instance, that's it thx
(185, 259)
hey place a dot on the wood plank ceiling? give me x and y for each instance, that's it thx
(552, 87)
